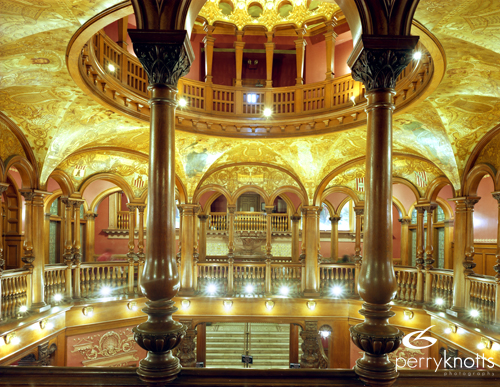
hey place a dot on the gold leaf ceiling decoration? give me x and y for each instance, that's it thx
(267, 13)
(58, 119)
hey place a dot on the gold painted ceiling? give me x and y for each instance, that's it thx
(58, 119)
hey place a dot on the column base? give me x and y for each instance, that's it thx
(310, 293)
(39, 307)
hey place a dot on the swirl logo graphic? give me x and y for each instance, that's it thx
(431, 340)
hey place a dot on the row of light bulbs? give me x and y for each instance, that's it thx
(228, 304)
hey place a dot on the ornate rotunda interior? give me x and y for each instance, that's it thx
(191, 189)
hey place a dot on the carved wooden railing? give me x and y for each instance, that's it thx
(250, 221)
(55, 282)
(286, 279)
(100, 279)
(217, 221)
(407, 281)
(280, 222)
(337, 279)
(442, 287)
(113, 73)
(122, 220)
(481, 296)
(250, 279)
(16, 292)
(212, 274)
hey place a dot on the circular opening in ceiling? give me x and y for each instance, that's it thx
(226, 7)
(285, 8)
(313, 4)
(255, 10)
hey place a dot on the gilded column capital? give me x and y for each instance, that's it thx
(28, 194)
(231, 209)
(335, 218)
(203, 217)
(3, 187)
(269, 209)
(496, 196)
(91, 215)
(430, 207)
(189, 209)
(420, 209)
(471, 201)
(311, 210)
(165, 55)
(295, 218)
(359, 211)
(405, 221)
(132, 207)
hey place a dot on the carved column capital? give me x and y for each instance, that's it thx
(27, 194)
(380, 67)
(310, 346)
(295, 218)
(335, 218)
(496, 196)
(309, 211)
(186, 349)
(3, 187)
(203, 217)
(405, 221)
(359, 211)
(471, 201)
(91, 215)
(269, 209)
(132, 207)
(430, 207)
(231, 209)
(165, 55)
(420, 209)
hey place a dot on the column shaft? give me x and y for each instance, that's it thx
(300, 47)
(3, 188)
(295, 238)
(203, 237)
(330, 37)
(209, 42)
(429, 254)
(187, 258)
(231, 213)
(269, 211)
(131, 231)
(238, 47)
(419, 296)
(37, 221)
(311, 269)
(269, 58)
(405, 241)
(334, 243)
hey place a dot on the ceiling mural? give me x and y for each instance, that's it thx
(58, 119)
(9, 144)
(267, 178)
(490, 154)
(134, 169)
(419, 172)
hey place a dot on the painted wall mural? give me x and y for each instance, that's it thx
(108, 348)
(9, 144)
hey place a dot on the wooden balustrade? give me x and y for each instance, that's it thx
(55, 282)
(406, 278)
(212, 274)
(280, 222)
(250, 221)
(15, 291)
(122, 220)
(482, 292)
(114, 74)
(116, 276)
(341, 276)
(249, 274)
(286, 279)
(442, 288)
(217, 221)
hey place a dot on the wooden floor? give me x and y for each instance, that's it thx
(191, 377)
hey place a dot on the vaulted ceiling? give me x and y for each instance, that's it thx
(64, 126)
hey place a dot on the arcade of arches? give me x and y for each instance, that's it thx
(293, 192)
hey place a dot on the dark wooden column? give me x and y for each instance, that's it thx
(377, 61)
(166, 56)
(201, 343)
(294, 343)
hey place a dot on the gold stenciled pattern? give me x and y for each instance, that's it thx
(9, 144)
(417, 171)
(490, 154)
(267, 178)
(270, 16)
(132, 168)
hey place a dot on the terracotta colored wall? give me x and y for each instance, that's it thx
(198, 65)
(255, 73)
(342, 52)
(405, 195)
(102, 242)
(295, 200)
(315, 61)
(485, 212)
(224, 68)
(284, 70)
(336, 198)
(447, 193)
(396, 233)
(112, 348)
(219, 204)
(94, 189)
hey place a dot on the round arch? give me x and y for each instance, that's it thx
(445, 206)
(331, 208)
(115, 179)
(435, 186)
(25, 169)
(283, 190)
(474, 178)
(344, 190)
(64, 181)
(100, 197)
(211, 187)
(399, 206)
(409, 184)
(250, 188)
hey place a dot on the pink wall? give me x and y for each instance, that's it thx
(219, 204)
(405, 195)
(88, 349)
(295, 200)
(197, 70)
(485, 211)
(342, 52)
(102, 242)
(396, 233)
(447, 193)
(94, 189)
(315, 61)
(205, 197)
(335, 199)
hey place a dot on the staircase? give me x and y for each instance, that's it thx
(267, 343)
